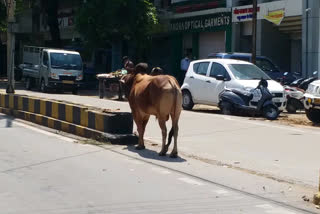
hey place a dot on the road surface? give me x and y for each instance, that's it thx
(42, 172)
(289, 154)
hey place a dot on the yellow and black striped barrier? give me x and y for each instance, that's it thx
(71, 118)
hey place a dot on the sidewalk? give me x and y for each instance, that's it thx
(271, 150)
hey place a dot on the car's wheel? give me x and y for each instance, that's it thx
(226, 108)
(313, 115)
(271, 112)
(291, 107)
(28, 83)
(187, 102)
(43, 87)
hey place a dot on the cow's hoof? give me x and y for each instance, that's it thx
(140, 147)
(174, 155)
(162, 153)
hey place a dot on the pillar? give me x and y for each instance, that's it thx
(310, 37)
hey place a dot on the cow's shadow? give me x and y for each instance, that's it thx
(150, 154)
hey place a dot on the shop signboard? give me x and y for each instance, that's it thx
(271, 11)
(275, 17)
(211, 22)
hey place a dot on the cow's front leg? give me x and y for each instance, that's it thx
(141, 125)
(140, 132)
(162, 124)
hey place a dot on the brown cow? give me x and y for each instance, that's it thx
(154, 95)
(156, 71)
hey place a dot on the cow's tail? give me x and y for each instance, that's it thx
(175, 108)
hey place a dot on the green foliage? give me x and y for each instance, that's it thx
(20, 6)
(3, 17)
(101, 22)
(3, 13)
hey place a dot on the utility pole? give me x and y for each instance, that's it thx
(254, 32)
(11, 6)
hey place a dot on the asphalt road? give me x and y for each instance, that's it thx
(42, 172)
(281, 152)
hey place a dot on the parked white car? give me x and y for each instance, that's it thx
(207, 78)
(312, 101)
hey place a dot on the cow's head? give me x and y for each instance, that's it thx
(141, 68)
(126, 83)
(156, 71)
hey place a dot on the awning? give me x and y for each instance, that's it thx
(291, 25)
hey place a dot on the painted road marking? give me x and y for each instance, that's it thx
(264, 206)
(159, 170)
(190, 181)
(275, 210)
(221, 192)
(45, 132)
(133, 161)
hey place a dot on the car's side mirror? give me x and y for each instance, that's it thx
(220, 77)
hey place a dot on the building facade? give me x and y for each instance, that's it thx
(281, 41)
(193, 27)
(200, 27)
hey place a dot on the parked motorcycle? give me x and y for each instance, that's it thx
(295, 98)
(295, 93)
(235, 100)
(305, 83)
(288, 78)
(297, 82)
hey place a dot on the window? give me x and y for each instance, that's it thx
(218, 69)
(265, 65)
(45, 59)
(201, 68)
(66, 61)
(247, 72)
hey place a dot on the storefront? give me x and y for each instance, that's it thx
(279, 32)
(200, 35)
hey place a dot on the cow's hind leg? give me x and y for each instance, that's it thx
(162, 124)
(141, 129)
(175, 128)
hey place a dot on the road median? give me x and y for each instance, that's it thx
(113, 127)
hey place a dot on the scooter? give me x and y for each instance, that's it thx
(235, 100)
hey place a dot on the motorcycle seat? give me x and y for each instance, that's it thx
(244, 94)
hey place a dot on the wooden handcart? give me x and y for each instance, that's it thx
(105, 82)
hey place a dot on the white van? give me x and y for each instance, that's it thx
(52, 68)
(207, 78)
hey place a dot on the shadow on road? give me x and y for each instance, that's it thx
(211, 111)
(150, 154)
(8, 120)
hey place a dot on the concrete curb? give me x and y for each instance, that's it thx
(115, 128)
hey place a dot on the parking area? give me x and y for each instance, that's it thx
(298, 119)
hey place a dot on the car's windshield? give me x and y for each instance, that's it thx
(66, 61)
(265, 65)
(247, 72)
